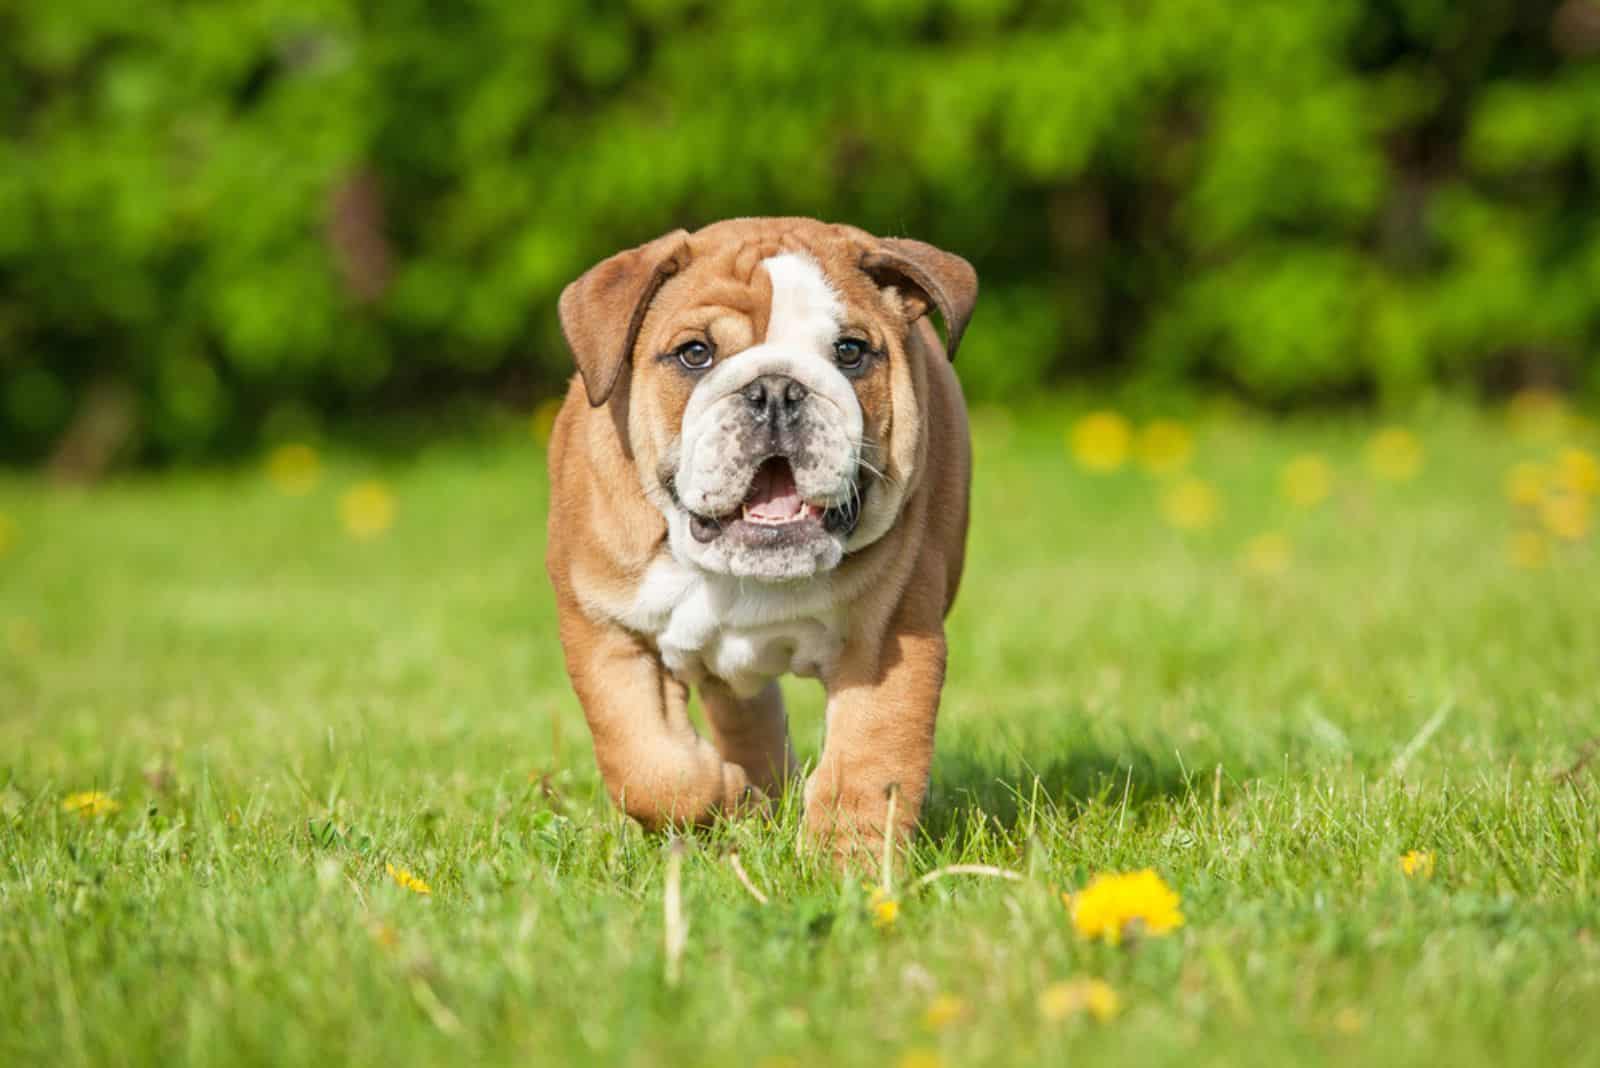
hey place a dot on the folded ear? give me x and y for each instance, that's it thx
(926, 275)
(602, 311)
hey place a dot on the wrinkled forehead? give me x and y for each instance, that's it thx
(775, 286)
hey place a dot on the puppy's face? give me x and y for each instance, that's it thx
(773, 401)
(762, 401)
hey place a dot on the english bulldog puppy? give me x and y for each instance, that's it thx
(760, 469)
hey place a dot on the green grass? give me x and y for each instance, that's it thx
(282, 711)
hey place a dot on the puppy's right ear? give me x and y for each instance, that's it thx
(602, 311)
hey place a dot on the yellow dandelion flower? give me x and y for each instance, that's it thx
(1566, 515)
(1164, 447)
(1349, 1021)
(1528, 550)
(1267, 554)
(295, 469)
(544, 420)
(406, 880)
(1115, 906)
(1099, 441)
(1192, 504)
(1537, 413)
(1307, 480)
(1526, 483)
(1578, 472)
(367, 510)
(944, 1011)
(1395, 454)
(885, 909)
(1417, 864)
(8, 533)
(89, 803)
(1060, 1001)
(920, 1058)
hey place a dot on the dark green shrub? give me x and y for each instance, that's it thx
(234, 214)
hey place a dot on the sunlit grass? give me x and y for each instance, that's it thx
(292, 773)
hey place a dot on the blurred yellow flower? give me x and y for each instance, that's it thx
(1537, 413)
(1100, 440)
(1526, 483)
(1164, 446)
(408, 881)
(1058, 1001)
(367, 510)
(89, 803)
(295, 469)
(1115, 906)
(943, 1011)
(1349, 1021)
(1307, 480)
(920, 1058)
(1566, 515)
(1267, 554)
(1528, 550)
(8, 533)
(1417, 864)
(885, 909)
(544, 420)
(1578, 472)
(1192, 504)
(1394, 453)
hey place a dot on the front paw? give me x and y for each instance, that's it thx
(851, 822)
(686, 787)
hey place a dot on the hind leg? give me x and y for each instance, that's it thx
(751, 732)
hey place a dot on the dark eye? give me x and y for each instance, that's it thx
(850, 352)
(695, 355)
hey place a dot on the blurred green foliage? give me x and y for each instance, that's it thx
(249, 215)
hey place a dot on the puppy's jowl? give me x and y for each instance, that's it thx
(761, 469)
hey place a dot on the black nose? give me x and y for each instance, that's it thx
(775, 399)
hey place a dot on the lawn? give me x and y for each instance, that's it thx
(1265, 692)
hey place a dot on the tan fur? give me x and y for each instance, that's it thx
(605, 532)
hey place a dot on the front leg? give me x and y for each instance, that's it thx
(656, 767)
(881, 717)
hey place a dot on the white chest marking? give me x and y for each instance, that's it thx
(742, 632)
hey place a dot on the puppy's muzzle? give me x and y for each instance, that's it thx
(777, 440)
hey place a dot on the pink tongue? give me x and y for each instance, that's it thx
(773, 494)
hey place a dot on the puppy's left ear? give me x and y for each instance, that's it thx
(602, 311)
(926, 276)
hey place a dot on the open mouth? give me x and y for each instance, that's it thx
(773, 508)
(774, 500)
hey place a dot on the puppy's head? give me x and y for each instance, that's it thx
(765, 376)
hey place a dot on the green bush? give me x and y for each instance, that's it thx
(243, 215)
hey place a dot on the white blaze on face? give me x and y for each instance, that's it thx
(806, 312)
